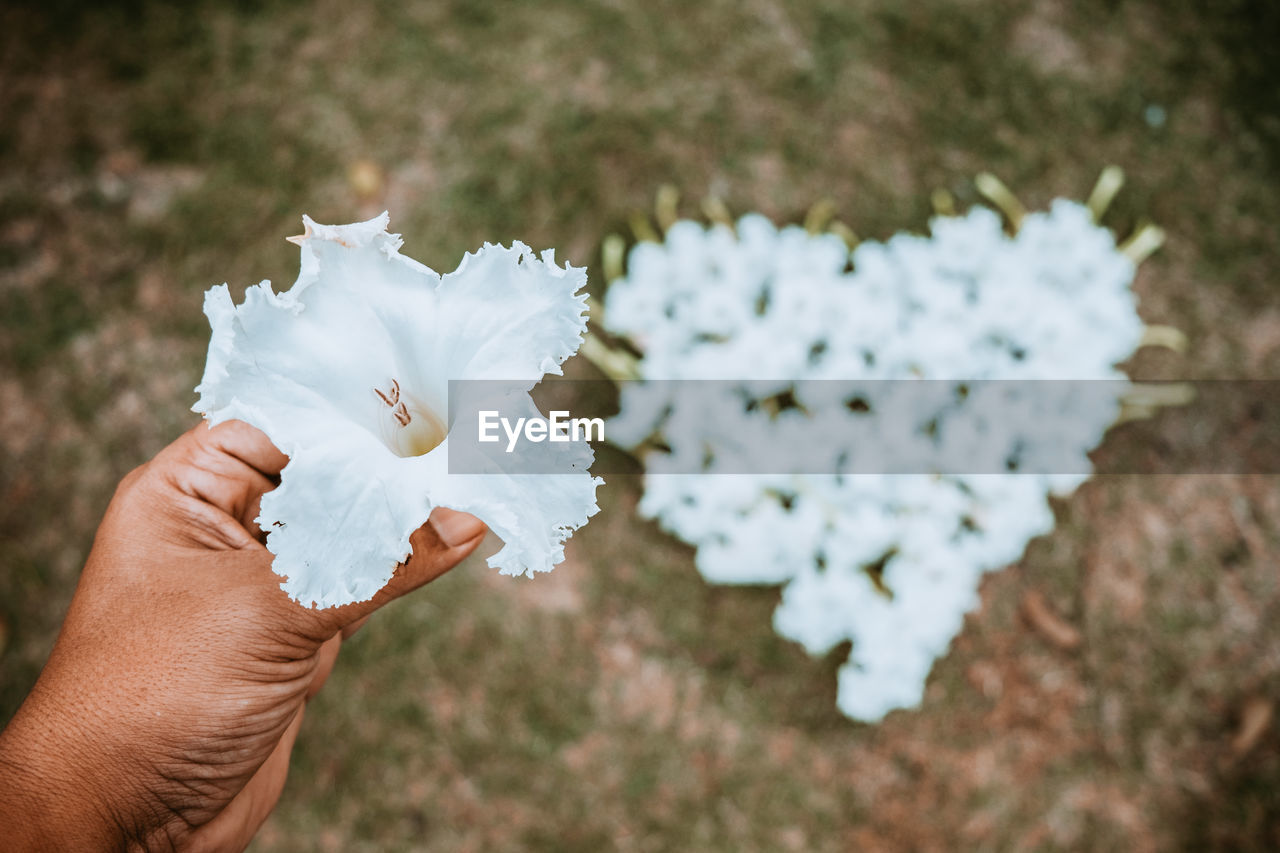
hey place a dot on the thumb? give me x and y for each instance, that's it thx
(439, 545)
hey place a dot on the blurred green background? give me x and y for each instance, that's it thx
(149, 150)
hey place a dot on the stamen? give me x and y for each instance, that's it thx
(416, 430)
(392, 397)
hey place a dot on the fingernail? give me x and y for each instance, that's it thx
(455, 528)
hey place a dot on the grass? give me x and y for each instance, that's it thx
(148, 152)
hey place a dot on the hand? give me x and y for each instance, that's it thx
(166, 714)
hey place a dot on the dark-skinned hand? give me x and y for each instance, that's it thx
(166, 714)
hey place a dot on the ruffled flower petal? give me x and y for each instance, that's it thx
(348, 373)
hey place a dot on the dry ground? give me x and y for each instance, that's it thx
(149, 151)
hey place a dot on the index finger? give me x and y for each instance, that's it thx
(228, 468)
(248, 444)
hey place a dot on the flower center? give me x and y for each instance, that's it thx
(408, 428)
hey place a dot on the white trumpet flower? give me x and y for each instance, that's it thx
(348, 373)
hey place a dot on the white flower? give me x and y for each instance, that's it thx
(967, 303)
(347, 372)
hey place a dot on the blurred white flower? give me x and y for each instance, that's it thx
(968, 303)
(347, 372)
